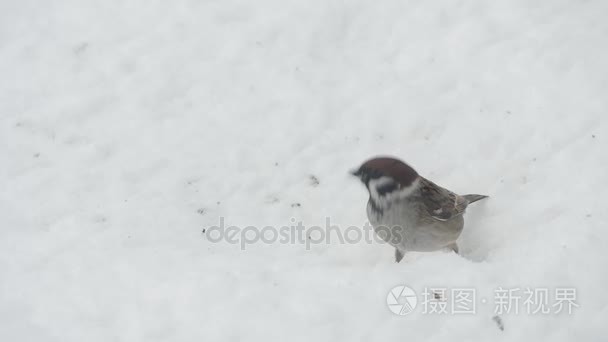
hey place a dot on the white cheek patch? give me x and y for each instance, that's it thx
(404, 192)
(375, 184)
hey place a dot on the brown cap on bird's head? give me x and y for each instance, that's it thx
(375, 168)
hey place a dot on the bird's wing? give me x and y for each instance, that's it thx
(441, 203)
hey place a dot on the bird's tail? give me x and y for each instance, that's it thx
(474, 198)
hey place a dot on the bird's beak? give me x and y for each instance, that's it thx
(355, 172)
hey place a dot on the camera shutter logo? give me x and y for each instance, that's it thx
(401, 300)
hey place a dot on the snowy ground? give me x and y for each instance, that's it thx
(127, 127)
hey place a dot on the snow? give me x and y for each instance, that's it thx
(128, 127)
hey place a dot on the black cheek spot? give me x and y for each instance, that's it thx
(386, 188)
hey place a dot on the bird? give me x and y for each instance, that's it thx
(410, 212)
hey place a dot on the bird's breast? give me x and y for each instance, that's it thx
(410, 231)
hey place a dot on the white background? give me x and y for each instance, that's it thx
(120, 120)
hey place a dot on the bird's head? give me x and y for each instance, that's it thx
(387, 177)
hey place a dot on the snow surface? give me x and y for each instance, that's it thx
(127, 127)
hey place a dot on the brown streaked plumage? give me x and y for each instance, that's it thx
(418, 214)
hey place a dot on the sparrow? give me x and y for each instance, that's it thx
(410, 212)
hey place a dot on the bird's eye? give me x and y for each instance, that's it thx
(386, 188)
